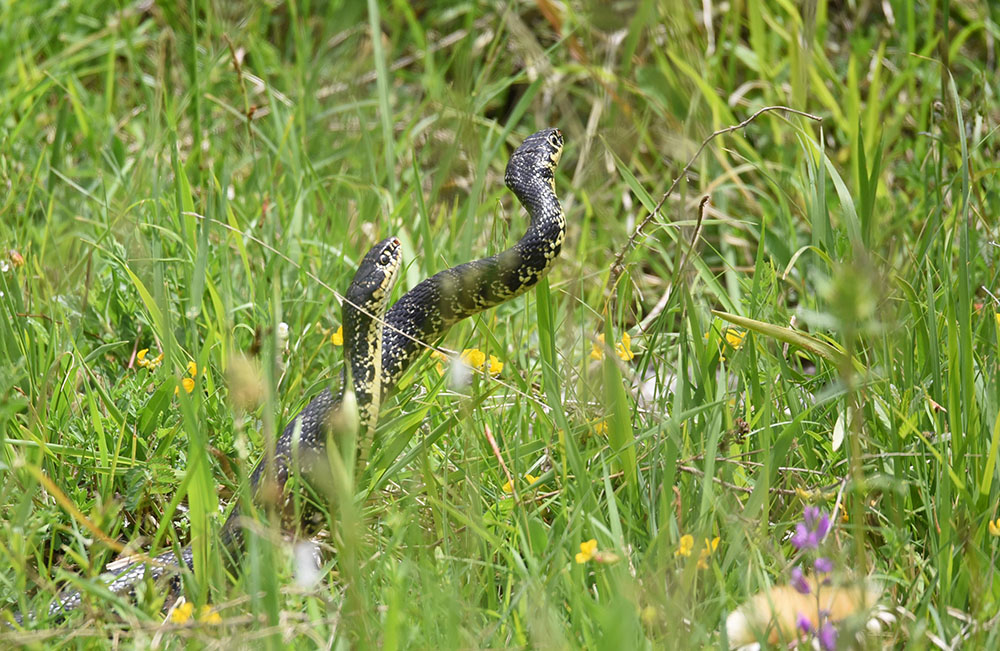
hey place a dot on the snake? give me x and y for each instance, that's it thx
(382, 342)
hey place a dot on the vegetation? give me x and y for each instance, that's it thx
(181, 178)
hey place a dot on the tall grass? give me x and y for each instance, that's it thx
(185, 177)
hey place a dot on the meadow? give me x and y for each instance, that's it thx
(778, 294)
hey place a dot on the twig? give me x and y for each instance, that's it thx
(496, 452)
(28, 315)
(616, 267)
(734, 487)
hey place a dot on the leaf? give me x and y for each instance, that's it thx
(789, 336)
(838, 432)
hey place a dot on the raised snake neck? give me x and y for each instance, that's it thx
(419, 317)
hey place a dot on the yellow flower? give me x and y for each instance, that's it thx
(997, 315)
(995, 527)
(531, 479)
(182, 613)
(710, 546)
(735, 338)
(442, 359)
(148, 364)
(209, 616)
(476, 360)
(624, 348)
(473, 358)
(597, 348)
(587, 551)
(601, 427)
(686, 545)
(188, 382)
(337, 338)
(731, 336)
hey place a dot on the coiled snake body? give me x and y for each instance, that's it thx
(378, 355)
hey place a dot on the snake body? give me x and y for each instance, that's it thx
(425, 312)
(378, 355)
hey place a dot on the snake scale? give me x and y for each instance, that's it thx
(378, 354)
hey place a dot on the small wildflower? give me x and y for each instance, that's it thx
(182, 613)
(337, 338)
(597, 348)
(587, 551)
(995, 527)
(803, 623)
(997, 315)
(528, 477)
(685, 546)
(827, 636)
(209, 616)
(809, 533)
(148, 364)
(16, 259)
(441, 360)
(473, 358)
(706, 552)
(601, 427)
(823, 565)
(622, 348)
(188, 382)
(733, 337)
(799, 581)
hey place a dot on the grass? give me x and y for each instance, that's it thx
(182, 178)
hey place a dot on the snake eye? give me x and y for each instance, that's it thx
(384, 259)
(554, 140)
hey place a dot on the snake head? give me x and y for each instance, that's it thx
(537, 157)
(376, 275)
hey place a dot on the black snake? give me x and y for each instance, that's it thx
(378, 355)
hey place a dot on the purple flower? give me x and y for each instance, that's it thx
(823, 565)
(803, 623)
(817, 521)
(809, 533)
(799, 581)
(803, 538)
(827, 636)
